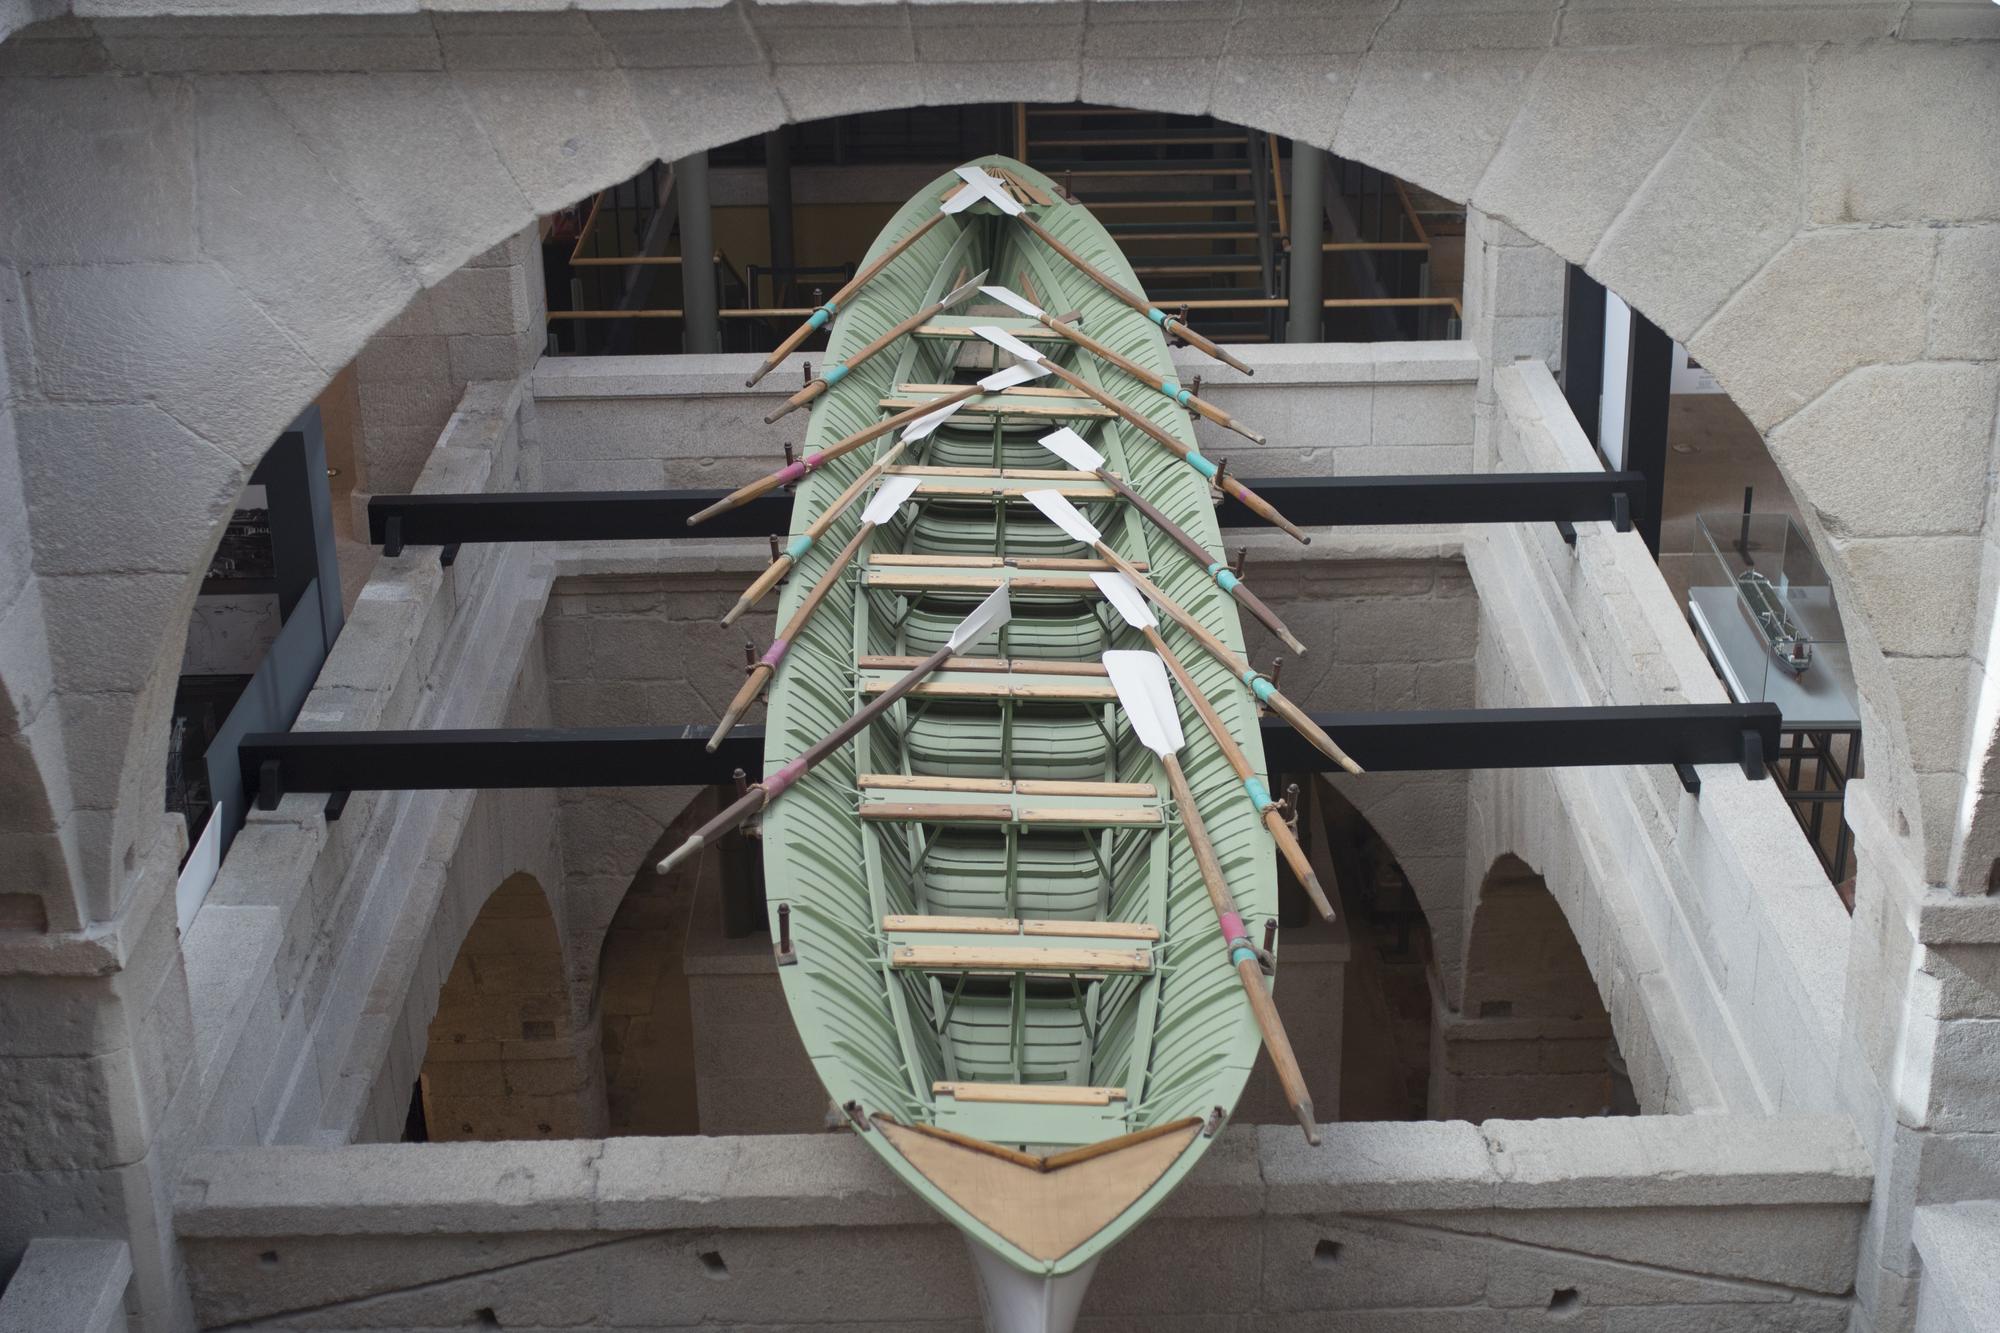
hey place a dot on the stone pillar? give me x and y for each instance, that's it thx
(778, 200)
(1308, 174)
(697, 255)
(1513, 309)
(487, 321)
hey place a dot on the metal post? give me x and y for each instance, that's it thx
(778, 203)
(1302, 323)
(1583, 348)
(702, 330)
(1648, 393)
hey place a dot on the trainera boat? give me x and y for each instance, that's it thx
(992, 919)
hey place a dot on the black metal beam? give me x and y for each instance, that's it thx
(1648, 401)
(676, 756)
(1583, 348)
(395, 521)
(1476, 497)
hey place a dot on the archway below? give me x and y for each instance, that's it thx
(1531, 1038)
(505, 1060)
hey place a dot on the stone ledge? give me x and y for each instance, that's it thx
(768, 1181)
(1961, 1287)
(68, 1286)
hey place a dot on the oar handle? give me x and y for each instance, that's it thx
(744, 806)
(756, 591)
(1239, 763)
(1202, 556)
(1295, 857)
(792, 340)
(1187, 335)
(826, 311)
(1136, 302)
(1309, 729)
(814, 388)
(1264, 509)
(1242, 953)
(1272, 1029)
(753, 685)
(798, 469)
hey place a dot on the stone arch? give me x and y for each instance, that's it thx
(506, 1056)
(1530, 1038)
(220, 294)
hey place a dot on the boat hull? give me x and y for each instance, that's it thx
(1165, 1052)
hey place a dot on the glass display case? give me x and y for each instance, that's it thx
(1762, 604)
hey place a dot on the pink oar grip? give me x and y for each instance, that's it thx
(783, 778)
(775, 653)
(1232, 927)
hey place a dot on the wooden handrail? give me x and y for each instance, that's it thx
(1278, 186)
(1331, 246)
(760, 313)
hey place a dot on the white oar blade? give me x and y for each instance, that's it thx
(987, 617)
(982, 185)
(1007, 343)
(1057, 509)
(1073, 449)
(963, 290)
(1147, 698)
(1012, 299)
(1125, 599)
(894, 493)
(1011, 376)
(930, 421)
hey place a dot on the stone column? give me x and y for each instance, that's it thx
(1308, 172)
(697, 255)
(487, 321)
(1513, 310)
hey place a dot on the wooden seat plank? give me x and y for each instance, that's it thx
(1041, 1094)
(1001, 925)
(971, 958)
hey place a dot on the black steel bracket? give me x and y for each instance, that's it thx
(545, 516)
(677, 756)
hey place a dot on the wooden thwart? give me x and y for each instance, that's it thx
(1034, 1094)
(888, 559)
(968, 958)
(889, 662)
(914, 581)
(1007, 925)
(1022, 786)
(1032, 402)
(956, 812)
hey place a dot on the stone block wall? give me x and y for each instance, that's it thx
(604, 423)
(1728, 1225)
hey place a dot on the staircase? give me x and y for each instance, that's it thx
(1193, 202)
(1200, 207)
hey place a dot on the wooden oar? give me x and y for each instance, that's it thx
(1148, 701)
(1125, 599)
(887, 501)
(1073, 449)
(988, 616)
(833, 303)
(1193, 457)
(1059, 511)
(1164, 320)
(1162, 384)
(833, 374)
(913, 417)
(802, 543)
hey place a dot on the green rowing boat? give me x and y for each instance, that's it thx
(991, 917)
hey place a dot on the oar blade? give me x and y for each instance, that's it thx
(895, 492)
(922, 427)
(1057, 509)
(987, 617)
(1008, 343)
(1073, 449)
(1125, 599)
(1011, 376)
(1140, 678)
(980, 185)
(1013, 300)
(963, 291)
